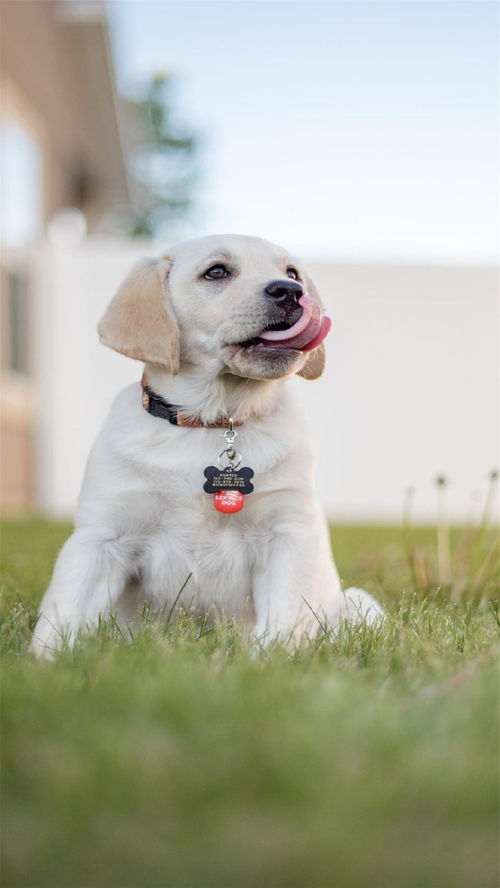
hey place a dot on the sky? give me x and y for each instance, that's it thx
(346, 131)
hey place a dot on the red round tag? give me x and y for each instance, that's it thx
(229, 500)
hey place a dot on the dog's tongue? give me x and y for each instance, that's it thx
(307, 333)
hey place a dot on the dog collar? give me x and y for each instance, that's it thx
(158, 406)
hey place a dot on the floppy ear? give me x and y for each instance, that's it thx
(315, 363)
(139, 322)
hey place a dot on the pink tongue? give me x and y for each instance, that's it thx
(326, 326)
(307, 333)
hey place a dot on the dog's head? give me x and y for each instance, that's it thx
(240, 303)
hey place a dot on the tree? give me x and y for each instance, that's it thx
(162, 165)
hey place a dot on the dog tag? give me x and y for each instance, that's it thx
(229, 486)
(227, 479)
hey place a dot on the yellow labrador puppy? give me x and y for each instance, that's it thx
(175, 510)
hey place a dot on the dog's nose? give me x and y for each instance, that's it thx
(284, 292)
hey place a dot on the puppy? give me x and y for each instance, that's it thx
(221, 323)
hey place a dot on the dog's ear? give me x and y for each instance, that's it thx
(139, 321)
(315, 363)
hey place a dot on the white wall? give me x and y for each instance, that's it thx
(77, 377)
(411, 388)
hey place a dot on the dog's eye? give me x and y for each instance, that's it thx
(216, 273)
(292, 273)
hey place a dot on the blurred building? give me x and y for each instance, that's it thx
(60, 148)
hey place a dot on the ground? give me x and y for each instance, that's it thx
(177, 758)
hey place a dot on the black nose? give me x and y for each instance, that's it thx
(284, 292)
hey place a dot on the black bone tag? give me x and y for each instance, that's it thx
(228, 479)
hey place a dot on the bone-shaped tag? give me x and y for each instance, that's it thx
(228, 479)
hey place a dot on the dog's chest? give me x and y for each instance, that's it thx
(218, 553)
(185, 536)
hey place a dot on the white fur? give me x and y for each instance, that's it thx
(144, 524)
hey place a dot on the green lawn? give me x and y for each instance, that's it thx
(177, 759)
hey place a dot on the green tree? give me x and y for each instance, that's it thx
(162, 164)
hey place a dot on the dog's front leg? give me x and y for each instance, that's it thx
(89, 575)
(291, 591)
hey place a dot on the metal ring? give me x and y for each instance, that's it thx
(234, 461)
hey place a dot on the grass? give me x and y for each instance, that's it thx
(179, 760)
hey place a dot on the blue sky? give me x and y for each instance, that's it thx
(344, 130)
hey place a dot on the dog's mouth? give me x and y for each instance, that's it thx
(303, 330)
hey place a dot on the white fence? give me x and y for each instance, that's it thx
(411, 389)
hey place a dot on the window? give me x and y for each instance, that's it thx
(21, 184)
